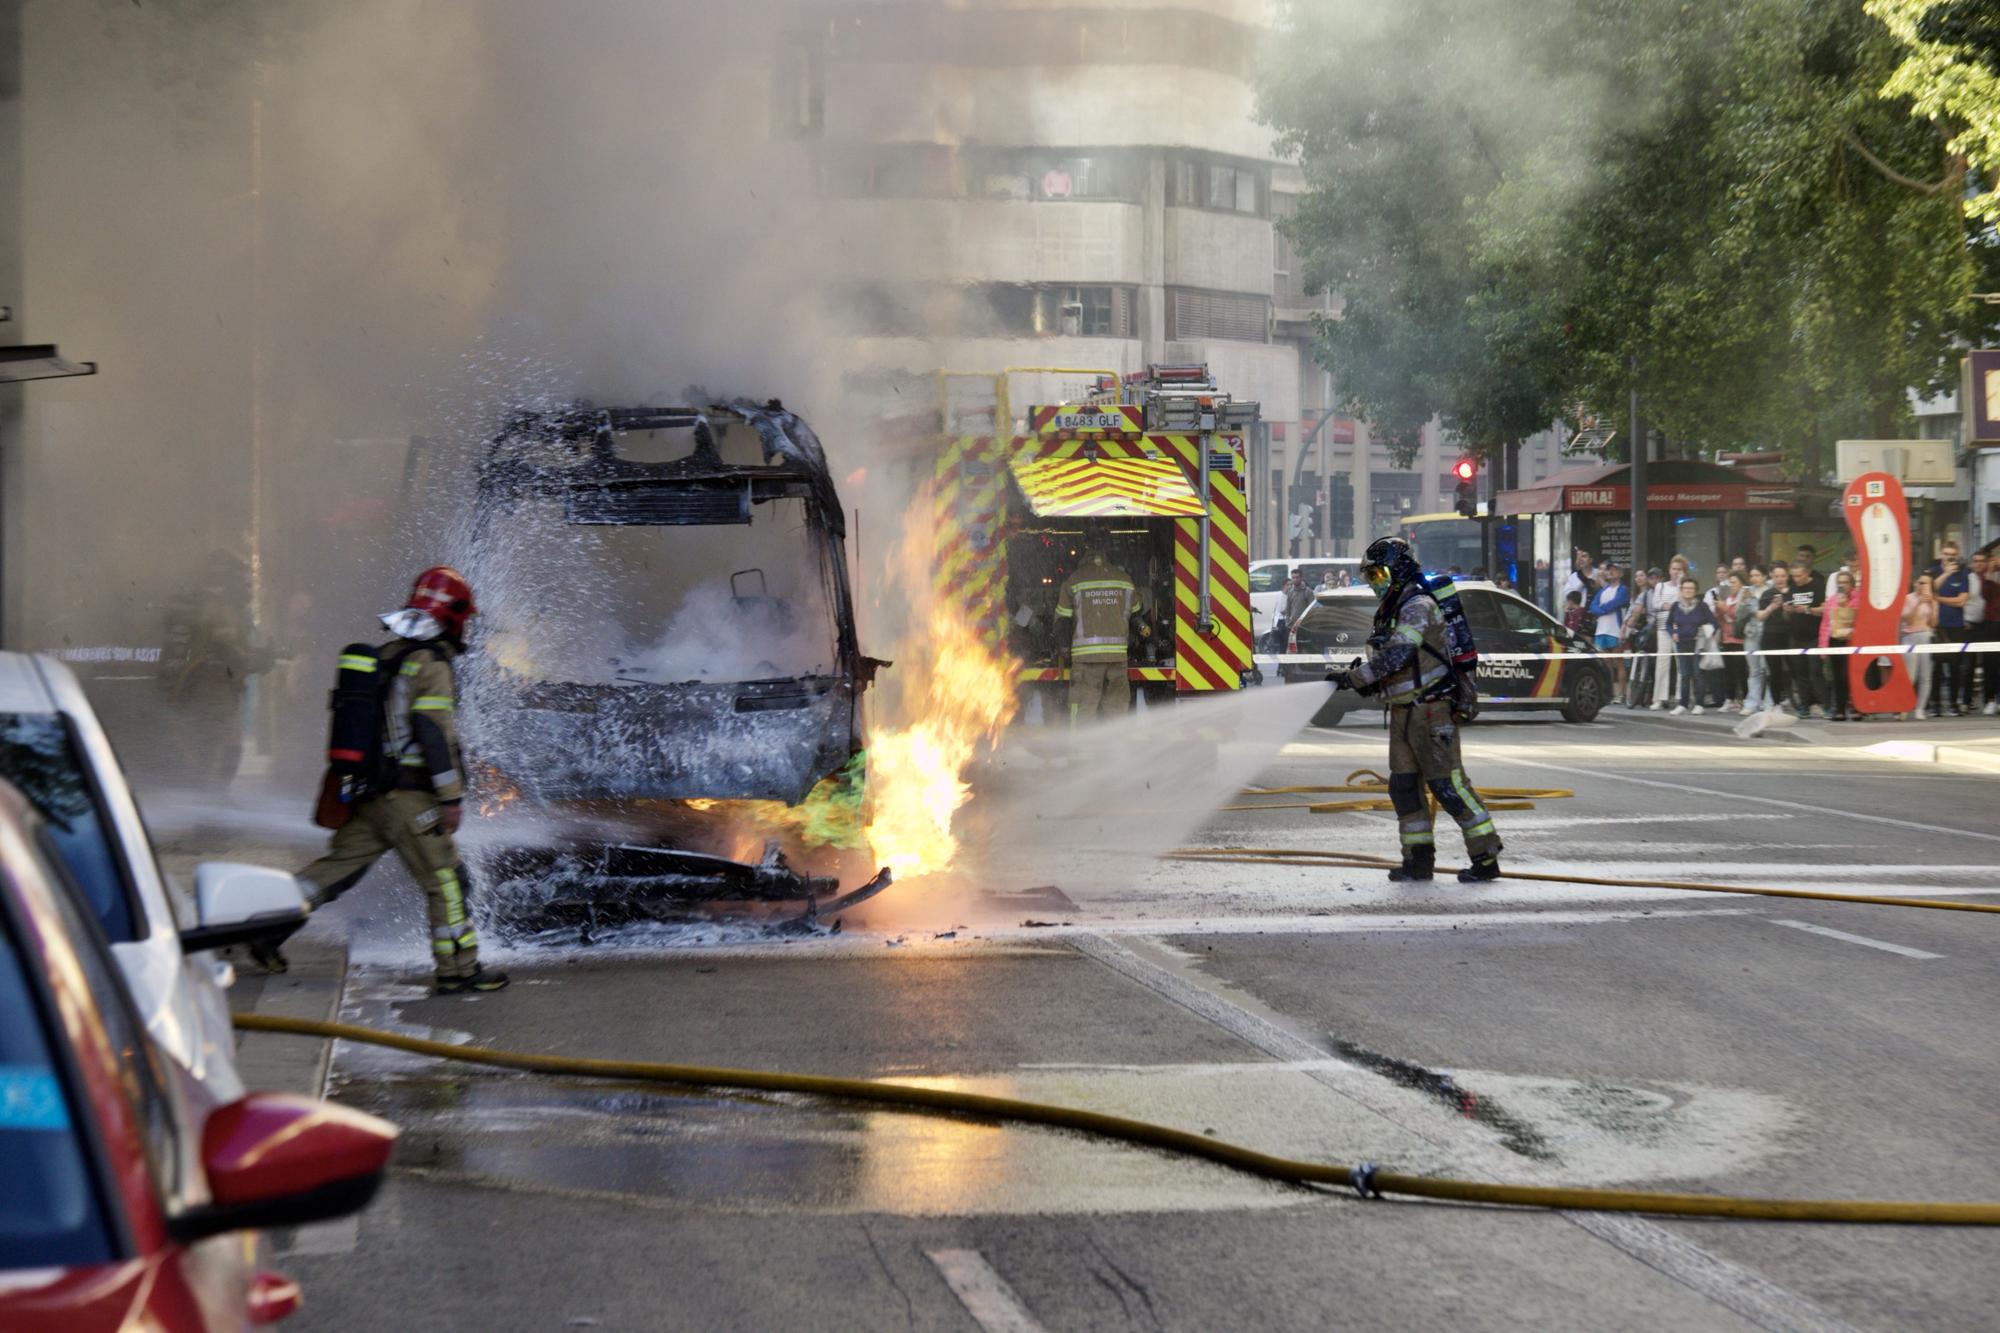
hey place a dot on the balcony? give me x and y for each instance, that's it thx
(981, 240)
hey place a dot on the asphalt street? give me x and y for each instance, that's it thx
(1523, 1031)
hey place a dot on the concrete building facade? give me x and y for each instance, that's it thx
(1034, 183)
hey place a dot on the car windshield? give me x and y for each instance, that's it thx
(38, 756)
(1267, 578)
(49, 1212)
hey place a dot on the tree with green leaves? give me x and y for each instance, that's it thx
(1950, 78)
(1520, 205)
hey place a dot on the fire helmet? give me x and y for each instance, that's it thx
(1389, 565)
(442, 593)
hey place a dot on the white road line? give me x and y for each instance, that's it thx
(1757, 800)
(1358, 923)
(983, 1292)
(1743, 1290)
(1833, 934)
(1568, 822)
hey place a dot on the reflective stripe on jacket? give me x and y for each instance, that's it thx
(422, 720)
(1100, 602)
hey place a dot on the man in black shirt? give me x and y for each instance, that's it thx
(1804, 601)
(1777, 633)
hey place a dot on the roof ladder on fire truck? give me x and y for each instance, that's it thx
(1183, 398)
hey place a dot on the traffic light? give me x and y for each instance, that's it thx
(1465, 500)
(1340, 508)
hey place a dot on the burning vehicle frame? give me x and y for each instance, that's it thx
(639, 749)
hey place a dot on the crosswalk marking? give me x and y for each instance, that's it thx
(1842, 935)
(983, 1292)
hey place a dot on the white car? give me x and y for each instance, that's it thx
(53, 749)
(1267, 584)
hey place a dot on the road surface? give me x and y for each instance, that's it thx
(1523, 1031)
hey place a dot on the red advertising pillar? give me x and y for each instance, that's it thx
(1879, 518)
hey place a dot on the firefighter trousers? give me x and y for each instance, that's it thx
(407, 823)
(1098, 690)
(1424, 752)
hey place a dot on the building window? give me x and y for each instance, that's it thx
(1194, 316)
(1226, 187)
(992, 310)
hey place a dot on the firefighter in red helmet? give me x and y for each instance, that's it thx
(418, 811)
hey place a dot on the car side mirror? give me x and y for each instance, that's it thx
(235, 903)
(278, 1160)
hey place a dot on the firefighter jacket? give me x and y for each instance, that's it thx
(1410, 655)
(1098, 603)
(422, 721)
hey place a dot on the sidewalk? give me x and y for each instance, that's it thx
(1971, 742)
(274, 1061)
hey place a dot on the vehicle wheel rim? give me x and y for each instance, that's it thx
(1589, 694)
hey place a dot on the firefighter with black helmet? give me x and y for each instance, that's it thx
(1410, 665)
(417, 810)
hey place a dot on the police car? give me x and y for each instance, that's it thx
(1574, 679)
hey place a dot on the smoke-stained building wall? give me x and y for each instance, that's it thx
(1045, 184)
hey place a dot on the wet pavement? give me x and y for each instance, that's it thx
(1521, 1031)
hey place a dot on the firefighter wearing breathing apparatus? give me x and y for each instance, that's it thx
(396, 781)
(1412, 665)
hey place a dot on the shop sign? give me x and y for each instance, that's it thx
(1676, 495)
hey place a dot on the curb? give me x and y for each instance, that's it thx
(1928, 752)
(1725, 724)
(311, 989)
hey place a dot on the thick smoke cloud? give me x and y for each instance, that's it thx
(296, 235)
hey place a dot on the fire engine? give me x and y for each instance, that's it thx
(1150, 464)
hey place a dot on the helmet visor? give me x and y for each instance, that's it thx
(1378, 577)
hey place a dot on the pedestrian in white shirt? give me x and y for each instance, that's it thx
(1666, 590)
(1579, 580)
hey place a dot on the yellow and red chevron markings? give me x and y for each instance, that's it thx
(970, 505)
(1106, 488)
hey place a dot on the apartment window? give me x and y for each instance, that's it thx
(1093, 312)
(1013, 174)
(1051, 312)
(1193, 316)
(1194, 182)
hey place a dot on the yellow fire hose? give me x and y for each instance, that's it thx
(1367, 780)
(1366, 1179)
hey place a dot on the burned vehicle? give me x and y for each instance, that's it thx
(669, 639)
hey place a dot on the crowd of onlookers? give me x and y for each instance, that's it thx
(1693, 644)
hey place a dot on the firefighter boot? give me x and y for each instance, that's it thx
(1482, 869)
(1418, 862)
(479, 979)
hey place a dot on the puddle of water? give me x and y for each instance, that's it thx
(766, 1153)
(1515, 1135)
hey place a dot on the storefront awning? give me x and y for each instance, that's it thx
(1106, 488)
(1677, 485)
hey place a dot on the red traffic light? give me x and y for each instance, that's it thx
(1464, 469)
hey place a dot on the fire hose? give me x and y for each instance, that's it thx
(1367, 780)
(1365, 1179)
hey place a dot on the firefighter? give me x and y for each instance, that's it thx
(1095, 609)
(1410, 666)
(418, 816)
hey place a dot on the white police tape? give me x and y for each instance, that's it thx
(1341, 655)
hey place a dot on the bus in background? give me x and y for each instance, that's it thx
(1446, 542)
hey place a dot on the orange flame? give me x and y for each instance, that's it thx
(916, 782)
(949, 697)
